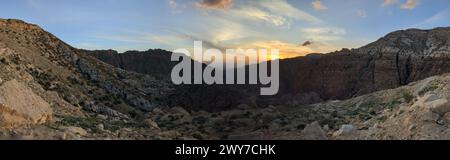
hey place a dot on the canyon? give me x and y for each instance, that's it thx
(393, 88)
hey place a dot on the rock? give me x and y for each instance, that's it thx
(430, 97)
(326, 127)
(151, 124)
(75, 130)
(102, 117)
(412, 127)
(446, 117)
(100, 127)
(19, 105)
(440, 106)
(345, 130)
(199, 135)
(170, 134)
(314, 131)
(430, 116)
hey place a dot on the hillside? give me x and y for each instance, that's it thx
(73, 88)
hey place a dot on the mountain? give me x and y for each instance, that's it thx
(154, 62)
(71, 87)
(397, 59)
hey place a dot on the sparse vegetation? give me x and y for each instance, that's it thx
(407, 96)
(427, 89)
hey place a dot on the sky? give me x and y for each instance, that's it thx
(296, 27)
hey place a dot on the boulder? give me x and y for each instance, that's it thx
(430, 116)
(151, 124)
(75, 130)
(430, 97)
(19, 105)
(440, 106)
(344, 131)
(100, 127)
(314, 131)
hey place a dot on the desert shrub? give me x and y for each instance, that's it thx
(428, 89)
(408, 97)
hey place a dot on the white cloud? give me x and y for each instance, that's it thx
(175, 6)
(274, 12)
(361, 13)
(439, 19)
(329, 31)
(389, 2)
(323, 34)
(317, 5)
(259, 15)
(283, 8)
(410, 4)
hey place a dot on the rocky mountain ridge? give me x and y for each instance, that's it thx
(399, 58)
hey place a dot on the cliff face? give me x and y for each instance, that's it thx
(154, 61)
(397, 59)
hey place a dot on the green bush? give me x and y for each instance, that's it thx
(408, 97)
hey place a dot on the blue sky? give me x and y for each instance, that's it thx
(171, 24)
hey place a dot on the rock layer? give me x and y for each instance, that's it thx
(19, 105)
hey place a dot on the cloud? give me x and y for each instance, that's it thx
(327, 31)
(259, 15)
(389, 2)
(361, 13)
(174, 6)
(214, 4)
(323, 34)
(439, 19)
(287, 50)
(283, 8)
(410, 4)
(172, 3)
(274, 12)
(307, 43)
(317, 5)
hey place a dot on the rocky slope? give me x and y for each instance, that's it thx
(45, 81)
(417, 111)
